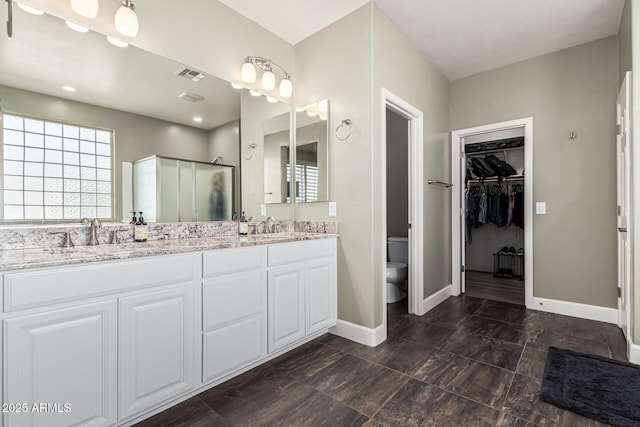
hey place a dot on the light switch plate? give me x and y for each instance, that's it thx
(333, 210)
(263, 209)
(541, 208)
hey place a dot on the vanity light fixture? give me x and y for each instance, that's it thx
(254, 92)
(117, 42)
(268, 80)
(86, 8)
(29, 9)
(126, 20)
(76, 27)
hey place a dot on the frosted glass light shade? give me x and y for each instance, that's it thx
(29, 9)
(86, 8)
(126, 22)
(271, 100)
(117, 42)
(248, 72)
(268, 80)
(76, 27)
(286, 88)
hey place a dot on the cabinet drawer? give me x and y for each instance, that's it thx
(289, 253)
(233, 347)
(225, 261)
(45, 287)
(228, 299)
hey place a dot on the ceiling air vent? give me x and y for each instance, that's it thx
(191, 97)
(191, 74)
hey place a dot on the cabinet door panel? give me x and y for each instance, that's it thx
(63, 357)
(156, 336)
(232, 347)
(320, 292)
(286, 306)
(228, 299)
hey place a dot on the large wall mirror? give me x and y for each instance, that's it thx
(312, 153)
(63, 152)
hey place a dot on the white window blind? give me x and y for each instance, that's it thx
(55, 171)
(306, 183)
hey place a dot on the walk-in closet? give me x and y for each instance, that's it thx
(493, 206)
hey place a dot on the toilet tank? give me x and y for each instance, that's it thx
(398, 249)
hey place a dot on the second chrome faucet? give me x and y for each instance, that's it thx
(93, 232)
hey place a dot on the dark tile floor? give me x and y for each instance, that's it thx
(468, 362)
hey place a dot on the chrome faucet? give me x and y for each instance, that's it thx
(270, 225)
(95, 224)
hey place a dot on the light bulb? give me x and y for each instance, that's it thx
(29, 9)
(286, 88)
(248, 72)
(254, 92)
(117, 42)
(86, 8)
(76, 27)
(268, 80)
(126, 20)
(271, 99)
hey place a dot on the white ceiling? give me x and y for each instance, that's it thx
(461, 37)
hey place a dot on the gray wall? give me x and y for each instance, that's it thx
(397, 175)
(624, 41)
(570, 90)
(402, 69)
(135, 136)
(353, 83)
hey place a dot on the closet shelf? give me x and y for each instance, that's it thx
(512, 178)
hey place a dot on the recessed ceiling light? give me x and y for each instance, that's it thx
(236, 85)
(76, 27)
(271, 99)
(117, 42)
(255, 93)
(197, 119)
(69, 88)
(29, 9)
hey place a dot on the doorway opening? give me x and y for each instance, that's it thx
(492, 204)
(402, 181)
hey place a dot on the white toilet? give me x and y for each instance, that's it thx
(397, 260)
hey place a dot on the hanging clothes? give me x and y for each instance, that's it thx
(500, 204)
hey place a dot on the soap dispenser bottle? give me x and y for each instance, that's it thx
(140, 230)
(134, 220)
(243, 225)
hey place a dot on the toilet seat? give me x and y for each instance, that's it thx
(396, 265)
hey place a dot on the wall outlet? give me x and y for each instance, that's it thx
(541, 208)
(263, 209)
(333, 210)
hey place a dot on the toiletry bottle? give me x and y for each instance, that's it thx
(243, 226)
(134, 219)
(140, 230)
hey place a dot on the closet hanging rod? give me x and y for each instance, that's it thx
(436, 182)
(518, 178)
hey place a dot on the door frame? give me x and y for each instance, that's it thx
(416, 197)
(625, 128)
(457, 211)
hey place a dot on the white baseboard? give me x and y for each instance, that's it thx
(360, 334)
(435, 299)
(584, 311)
(633, 351)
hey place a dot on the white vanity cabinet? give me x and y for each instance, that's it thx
(234, 310)
(301, 291)
(115, 339)
(67, 358)
(156, 337)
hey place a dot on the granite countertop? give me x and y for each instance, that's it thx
(18, 259)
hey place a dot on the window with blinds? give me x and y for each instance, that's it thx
(306, 183)
(55, 171)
